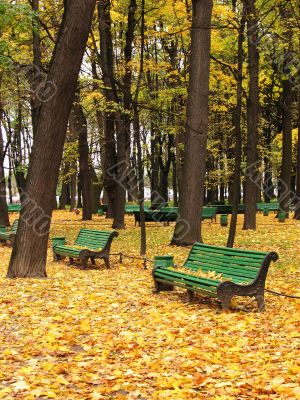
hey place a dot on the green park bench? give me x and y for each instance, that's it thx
(209, 213)
(130, 209)
(9, 234)
(267, 206)
(90, 243)
(223, 273)
(14, 207)
(156, 216)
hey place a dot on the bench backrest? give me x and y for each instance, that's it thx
(92, 239)
(135, 207)
(244, 264)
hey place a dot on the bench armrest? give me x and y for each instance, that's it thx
(58, 240)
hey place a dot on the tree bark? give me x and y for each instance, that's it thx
(188, 228)
(253, 109)
(30, 248)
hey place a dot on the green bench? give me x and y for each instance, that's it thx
(90, 244)
(267, 206)
(14, 207)
(130, 209)
(223, 273)
(9, 234)
(209, 213)
(156, 216)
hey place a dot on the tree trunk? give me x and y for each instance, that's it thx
(237, 133)
(188, 228)
(287, 146)
(30, 248)
(63, 196)
(253, 110)
(78, 125)
(4, 218)
(96, 190)
(37, 75)
(79, 193)
(297, 200)
(73, 187)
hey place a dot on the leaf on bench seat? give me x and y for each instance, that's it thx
(201, 274)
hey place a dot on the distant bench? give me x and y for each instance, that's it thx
(131, 209)
(156, 216)
(170, 214)
(9, 234)
(267, 206)
(237, 273)
(209, 213)
(14, 207)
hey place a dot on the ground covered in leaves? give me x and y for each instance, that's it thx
(102, 334)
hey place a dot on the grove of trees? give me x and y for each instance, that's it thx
(197, 100)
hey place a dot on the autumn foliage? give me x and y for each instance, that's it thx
(102, 334)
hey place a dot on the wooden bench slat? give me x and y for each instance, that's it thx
(230, 251)
(226, 258)
(164, 272)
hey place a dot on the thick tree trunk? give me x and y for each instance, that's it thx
(78, 125)
(188, 228)
(30, 249)
(253, 110)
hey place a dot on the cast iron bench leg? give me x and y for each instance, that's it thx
(106, 261)
(260, 298)
(190, 296)
(84, 261)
